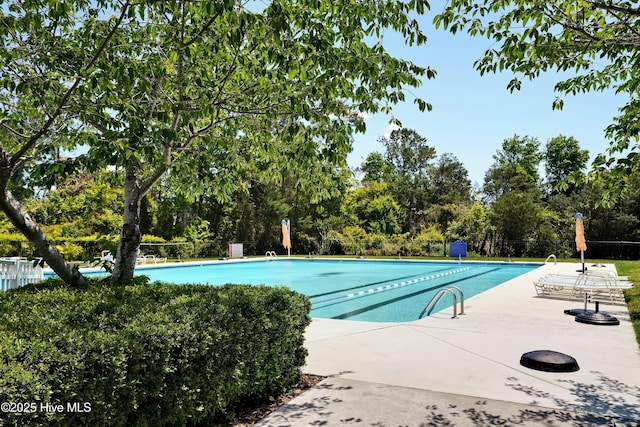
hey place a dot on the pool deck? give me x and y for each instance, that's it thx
(440, 371)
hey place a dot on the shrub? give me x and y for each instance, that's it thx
(105, 223)
(332, 244)
(179, 249)
(306, 244)
(147, 353)
(149, 238)
(70, 250)
(428, 243)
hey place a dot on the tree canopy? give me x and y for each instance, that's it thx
(409, 155)
(595, 42)
(515, 167)
(191, 86)
(563, 159)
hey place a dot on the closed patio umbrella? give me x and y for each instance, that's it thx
(286, 237)
(581, 244)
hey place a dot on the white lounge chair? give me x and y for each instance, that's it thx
(141, 258)
(608, 275)
(556, 284)
(575, 286)
(155, 259)
(146, 259)
(105, 256)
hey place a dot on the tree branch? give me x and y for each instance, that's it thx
(34, 138)
(10, 129)
(204, 28)
(615, 8)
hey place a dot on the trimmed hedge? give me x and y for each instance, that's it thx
(146, 354)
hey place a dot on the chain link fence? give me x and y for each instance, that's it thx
(596, 249)
(394, 246)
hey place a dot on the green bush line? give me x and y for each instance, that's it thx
(147, 354)
(87, 248)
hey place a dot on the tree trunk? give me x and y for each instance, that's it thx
(23, 222)
(130, 235)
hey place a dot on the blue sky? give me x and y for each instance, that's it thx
(473, 114)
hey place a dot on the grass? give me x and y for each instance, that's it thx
(632, 296)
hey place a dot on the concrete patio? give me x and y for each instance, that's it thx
(440, 371)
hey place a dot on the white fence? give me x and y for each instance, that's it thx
(16, 272)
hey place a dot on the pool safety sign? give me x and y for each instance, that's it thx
(458, 249)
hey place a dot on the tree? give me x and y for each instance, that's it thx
(613, 225)
(563, 159)
(516, 216)
(515, 167)
(46, 56)
(159, 86)
(83, 203)
(375, 168)
(596, 41)
(449, 180)
(409, 155)
(471, 226)
(375, 208)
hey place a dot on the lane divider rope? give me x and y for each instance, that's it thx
(395, 285)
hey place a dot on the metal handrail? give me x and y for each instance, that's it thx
(555, 260)
(439, 295)
(271, 255)
(461, 297)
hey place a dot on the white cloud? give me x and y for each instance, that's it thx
(391, 128)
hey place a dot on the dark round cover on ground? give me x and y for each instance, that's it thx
(597, 318)
(549, 361)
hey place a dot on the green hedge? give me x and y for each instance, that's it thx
(148, 354)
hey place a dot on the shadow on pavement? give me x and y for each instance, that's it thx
(337, 401)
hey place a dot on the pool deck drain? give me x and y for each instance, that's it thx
(466, 371)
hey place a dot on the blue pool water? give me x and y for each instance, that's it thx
(370, 290)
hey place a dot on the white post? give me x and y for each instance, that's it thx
(14, 272)
(5, 274)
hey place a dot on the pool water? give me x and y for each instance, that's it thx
(368, 290)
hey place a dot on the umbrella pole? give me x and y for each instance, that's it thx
(582, 258)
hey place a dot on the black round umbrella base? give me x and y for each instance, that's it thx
(549, 361)
(576, 311)
(597, 318)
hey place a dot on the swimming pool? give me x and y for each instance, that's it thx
(369, 290)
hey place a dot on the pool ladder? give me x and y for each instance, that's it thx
(439, 295)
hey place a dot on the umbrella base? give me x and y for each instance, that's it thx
(576, 311)
(597, 318)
